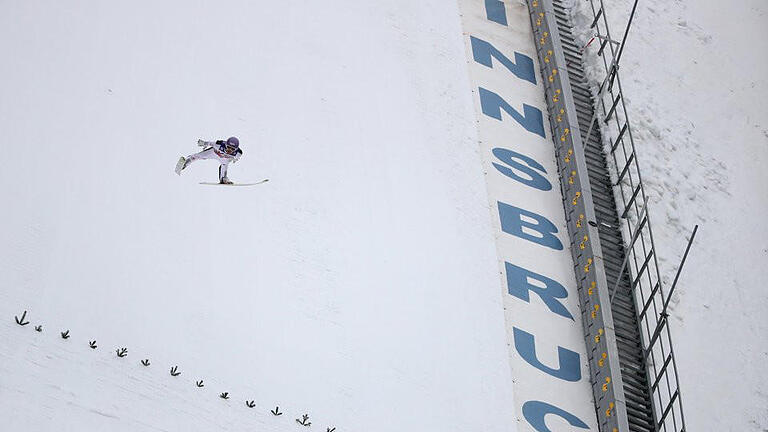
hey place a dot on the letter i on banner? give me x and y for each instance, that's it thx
(494, 11)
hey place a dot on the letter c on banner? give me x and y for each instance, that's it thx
(570, 369)
(535, 411)
(526, 165)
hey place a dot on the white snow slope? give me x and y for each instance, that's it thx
(359, 285)
(694, 76)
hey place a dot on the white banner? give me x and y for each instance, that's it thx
(544, 331)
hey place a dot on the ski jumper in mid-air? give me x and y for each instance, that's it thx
(221, 150)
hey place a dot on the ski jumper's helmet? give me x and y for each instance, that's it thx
(233, 142)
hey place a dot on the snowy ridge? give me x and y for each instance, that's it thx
(109, 391)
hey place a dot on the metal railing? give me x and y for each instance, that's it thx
(641, 263)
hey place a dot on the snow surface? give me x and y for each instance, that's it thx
(359, 285)
(366, 268)
(694, 76)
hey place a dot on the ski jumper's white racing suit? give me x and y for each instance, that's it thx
(216, 150)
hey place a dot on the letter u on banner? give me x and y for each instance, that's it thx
(570, 369)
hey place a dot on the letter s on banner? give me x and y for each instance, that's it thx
(527, 166)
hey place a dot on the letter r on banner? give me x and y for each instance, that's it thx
(518, 286)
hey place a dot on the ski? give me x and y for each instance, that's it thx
(234, 184)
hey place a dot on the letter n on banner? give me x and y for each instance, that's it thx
(522, 68)
(492, 104)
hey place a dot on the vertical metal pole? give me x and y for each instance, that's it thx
(626, 32)
(679, 269)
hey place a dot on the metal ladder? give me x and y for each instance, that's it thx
(625, 312)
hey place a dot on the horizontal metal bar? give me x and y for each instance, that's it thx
(621, 135)
(642, 269)
(656, 333)
(602, 47)
(649, 301)
(597, 17)
(669, 407)
(613, 107)
(626, 168)
(629, 204)
(661, 372)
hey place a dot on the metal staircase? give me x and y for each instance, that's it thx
(633, 371)
(623, 303)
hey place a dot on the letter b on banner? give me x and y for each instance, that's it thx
(512, 223)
